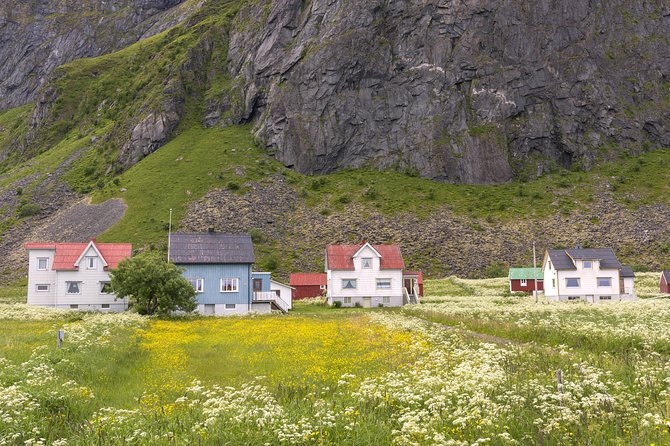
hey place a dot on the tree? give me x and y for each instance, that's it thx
(154, 285)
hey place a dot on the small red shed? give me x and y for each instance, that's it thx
(523, 280)
(665, 282)
(308, 285)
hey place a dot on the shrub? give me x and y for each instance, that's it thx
(29, 209)
(337, 304)
(232, 185)
(344, 199)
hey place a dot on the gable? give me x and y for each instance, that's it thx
(341, 257)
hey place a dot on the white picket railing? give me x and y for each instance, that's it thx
(271, 296)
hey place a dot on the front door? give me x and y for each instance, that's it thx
(367, 302)
(258, 285)
(408, 285)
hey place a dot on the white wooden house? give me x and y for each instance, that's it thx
(592, 275)
(283, 292)
(74, 275)
(368, 275)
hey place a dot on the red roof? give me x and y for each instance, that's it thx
(307, 279)
(414, 273)
(68, 253)
(341, 256)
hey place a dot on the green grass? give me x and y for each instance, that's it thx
(180, 172)
(18, 338)
(13, 293)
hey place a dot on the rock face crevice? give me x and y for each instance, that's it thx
(37, 37)
(465, 92)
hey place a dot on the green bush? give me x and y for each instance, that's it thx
(337, 304)
(29, 209)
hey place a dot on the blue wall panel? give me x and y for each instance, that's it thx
(213, 274)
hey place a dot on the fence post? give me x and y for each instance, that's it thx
(60, 337)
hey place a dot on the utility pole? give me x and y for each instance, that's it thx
(535, 272)
(169, 235)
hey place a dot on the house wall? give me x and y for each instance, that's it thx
(41, 277)
(212, 295)
(307, 291)
(515, 285)
(89, 298)
(285, 292)
(665, 287)
(588, 289)
(265, 277)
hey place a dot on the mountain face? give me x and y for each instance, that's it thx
(38, 36)
(465, 92)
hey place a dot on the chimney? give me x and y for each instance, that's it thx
(578, 246)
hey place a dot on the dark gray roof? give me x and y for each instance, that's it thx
(560, 259)
(626, 271)
(563, 258)
(211, 247)
(666, 274)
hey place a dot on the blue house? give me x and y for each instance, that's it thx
(220, 268)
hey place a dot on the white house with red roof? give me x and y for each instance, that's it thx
(74, 275)
(368, 275)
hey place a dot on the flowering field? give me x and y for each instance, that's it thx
(472, 368)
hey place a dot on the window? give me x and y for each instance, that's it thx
(572, 282)
(230, 306)
(588, 264)
(91, 262)
(553, 283)
(42, 263)
(604, 281)
(230, 285)
(106, 288)
(105, 306)
(366, 263)
(383, 284)
(198, 285)
(348, 284)
(524, 282)
(322, 287)
(386, 300)
(73, 287)
(605, 297)
(347, 300)
(42, 288)
(549, 263)
(573, 297)
(74, 306)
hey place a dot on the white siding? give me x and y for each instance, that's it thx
(366, 283)
(285, 292)
(221, 310)
(36, 277)
(89, 298)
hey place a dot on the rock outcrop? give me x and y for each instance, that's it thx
(465, 92)
(38, 36)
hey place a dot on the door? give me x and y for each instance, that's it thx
(367, 302)
(408, 285)
(258, 285)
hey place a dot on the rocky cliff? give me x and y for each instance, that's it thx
(466, 92)
(38, 36)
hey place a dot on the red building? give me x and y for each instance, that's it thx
(523, 280)
(308, 285)
(411, 278)
(665, 282)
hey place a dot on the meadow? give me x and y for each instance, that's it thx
(470, 365)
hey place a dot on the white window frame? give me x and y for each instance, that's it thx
(230, 306)
(198, 284)
(598, 279)
(104, 306)
(102, 285)
(322, 287)
(346, 300)
(353, 281)
(589, 263)
(384, 281)
(368, 261)
(46, 263)
(579, 282)
(524, 282)
(38, 285)
(91, 262)
(67, 287)
(74, 306)
(386, 300)
(235, 284)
